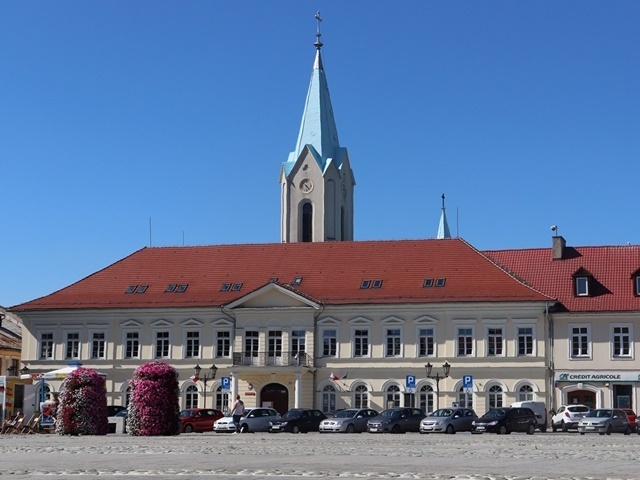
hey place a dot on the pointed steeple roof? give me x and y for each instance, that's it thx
(443, 228)
(318, 127)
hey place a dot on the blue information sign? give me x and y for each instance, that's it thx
(411, 384)
(467, 381)
(225, 383)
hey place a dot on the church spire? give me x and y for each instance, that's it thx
(318, 126)
(317, 180)
(443, 228)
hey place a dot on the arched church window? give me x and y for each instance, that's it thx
(307, 222)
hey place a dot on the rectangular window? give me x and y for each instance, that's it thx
(98, 345)
(46, 345)
(637, 280)
(132, 345)
(495, 341)
(298, 342)
(426, 342)
(275, 343)
(73, 345)
(393, 342)
(223, 344)
(329, 343)
(621, 341)
(579, 341)
(582, 286)
(162, 344)
(251, 343)
(525, 341)
(465, 342)
(193, 345)
(361, 343)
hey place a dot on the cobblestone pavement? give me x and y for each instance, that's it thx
(326, 456)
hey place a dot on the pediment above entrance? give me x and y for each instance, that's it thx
(273, 295)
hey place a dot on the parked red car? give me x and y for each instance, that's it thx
(631, 415)
(199, 419)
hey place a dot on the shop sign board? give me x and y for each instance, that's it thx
(597, 376)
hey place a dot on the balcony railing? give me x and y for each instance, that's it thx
(269, 359)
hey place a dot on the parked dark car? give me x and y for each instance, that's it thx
(298, 420)
(199, 419)
(506, 420)
(113, 410)
(396, 420)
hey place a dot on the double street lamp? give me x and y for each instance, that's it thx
(211, 375)
(437, 377)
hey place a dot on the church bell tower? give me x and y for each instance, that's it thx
(317, 181)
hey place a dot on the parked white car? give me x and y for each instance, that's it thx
(568, 417)
(254, 420)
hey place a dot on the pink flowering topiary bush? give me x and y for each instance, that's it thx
(154, 407)
(83, 404)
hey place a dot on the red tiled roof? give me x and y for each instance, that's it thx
(331, 272)
(612, 268)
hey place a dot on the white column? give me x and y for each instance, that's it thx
(234, 389)
(298, 391)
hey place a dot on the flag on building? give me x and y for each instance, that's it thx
(344, 377)
(333, 377)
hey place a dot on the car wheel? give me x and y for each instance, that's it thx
(564, 427)
(396, 429)
(503, 430)
(188, 429)
(543, 428)
(628, 430)
(609, 430)
(554, 428)
(581, 433)
(531, 429)
(244, 428)
(351, 428)
(295, 429)
(451, 430)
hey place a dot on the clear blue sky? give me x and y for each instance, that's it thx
(524, 113)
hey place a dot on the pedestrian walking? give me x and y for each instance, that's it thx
(237, 410)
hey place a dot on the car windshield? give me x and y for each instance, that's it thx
(393, 412)
(292, 414)
(496, 412)
(443, 412)
(346, 414)
(602, 413)
(187, 413)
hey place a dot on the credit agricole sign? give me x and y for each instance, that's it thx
(597, 376)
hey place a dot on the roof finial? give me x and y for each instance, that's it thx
(318, 43)
(443, 201)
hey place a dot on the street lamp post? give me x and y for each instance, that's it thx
(437, 377)
(207, 376)
(11, 371)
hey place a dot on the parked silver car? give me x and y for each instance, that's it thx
(351, 420)
(254, 420)
(448, 420)
(605, 420)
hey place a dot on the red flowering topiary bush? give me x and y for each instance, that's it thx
(154, 408)
(83, 404)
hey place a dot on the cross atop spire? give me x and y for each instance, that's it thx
(318, 43)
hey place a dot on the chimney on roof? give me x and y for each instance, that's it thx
(558, 246)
